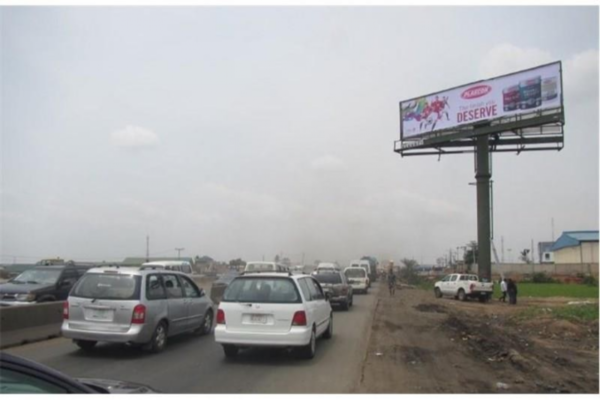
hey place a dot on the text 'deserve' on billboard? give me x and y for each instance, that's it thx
(519, 93)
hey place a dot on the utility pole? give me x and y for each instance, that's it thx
(483, 174)
(147, 248)
(532, 257)
(179, 250)
(502, 240)
(552, 229)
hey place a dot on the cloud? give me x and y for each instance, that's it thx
(327, 163)
(581, 77)
(507, 58)
(134, 137)
(580, 72)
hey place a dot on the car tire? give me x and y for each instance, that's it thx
(207, 324)
(351, 300)
(230, 351)
(345, 305)
(308, 352)
(85, 344)
(438, 293)
(159, 338)
(328, 334)
(462, 296)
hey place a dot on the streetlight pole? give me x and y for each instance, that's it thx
(179, 250)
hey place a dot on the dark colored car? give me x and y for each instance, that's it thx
(41, 284)
(336, 283)
(21, 376)
(218, 287)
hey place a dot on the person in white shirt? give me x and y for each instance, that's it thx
(504, 289)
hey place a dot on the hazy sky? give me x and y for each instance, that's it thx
(243, 132)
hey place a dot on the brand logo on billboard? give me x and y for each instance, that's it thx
(476, 91)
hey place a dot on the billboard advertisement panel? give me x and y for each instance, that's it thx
(522, 92)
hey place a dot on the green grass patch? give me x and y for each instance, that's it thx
(575, 313)
(553, 290)
(425, 285)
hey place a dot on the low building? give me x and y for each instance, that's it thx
(576, 247)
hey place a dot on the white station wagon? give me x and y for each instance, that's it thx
(273, 310)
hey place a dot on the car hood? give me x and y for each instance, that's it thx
(115, 387)
(9, 287)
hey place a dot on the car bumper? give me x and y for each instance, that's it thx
(338, 300)
(17, 303)
(135, 334)
(296, 336)
(359, 286)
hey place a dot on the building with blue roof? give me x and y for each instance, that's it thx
(576, 247)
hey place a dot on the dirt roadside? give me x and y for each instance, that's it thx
(420, 344)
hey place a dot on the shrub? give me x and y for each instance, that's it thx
(588, 280)
(541, 277)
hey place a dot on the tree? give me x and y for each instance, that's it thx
(408, 274)
(524, 256)
(277, 258)
(471, 253)
(238, 262)
(409, 263)
(204, 260)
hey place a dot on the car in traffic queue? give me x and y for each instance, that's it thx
(138, 306)
(273, 310)
(171, 265)
(336, 284)
(366, 265)
(41, 284)
(19, 375)
(358, 278)
(327, 266)
(265, 266)
(218, 287)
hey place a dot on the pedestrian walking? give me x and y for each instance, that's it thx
(391, 278)
(503, 289)
(511, 287)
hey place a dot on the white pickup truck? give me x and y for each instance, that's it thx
(463, 286)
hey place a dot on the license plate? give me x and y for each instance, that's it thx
(102, 315)
(258, 319)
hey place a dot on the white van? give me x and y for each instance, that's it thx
(181, 266)
(327, 267)
(264, 266)
(362, 264)
(358, 279)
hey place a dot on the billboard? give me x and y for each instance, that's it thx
(522, 92)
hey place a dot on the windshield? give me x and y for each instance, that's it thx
(356, 273)
(329, 278)
(262, 290)
(108, 287)
(39, 276)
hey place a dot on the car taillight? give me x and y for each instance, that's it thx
(220, 317)
(139, 314)
(299, 319)
(66, 310)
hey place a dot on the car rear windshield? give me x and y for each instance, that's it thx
(329, 278)
(356, 273)
(108, 287)
(262, 290)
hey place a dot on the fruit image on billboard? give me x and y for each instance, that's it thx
(518, 93)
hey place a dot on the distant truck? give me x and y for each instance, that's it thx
(371, 270)
(373, 263)
(464, 286)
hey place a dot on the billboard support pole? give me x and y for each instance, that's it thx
(483, 175)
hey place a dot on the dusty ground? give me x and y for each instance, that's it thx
(420, 344)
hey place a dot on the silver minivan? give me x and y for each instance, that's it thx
(139, 306)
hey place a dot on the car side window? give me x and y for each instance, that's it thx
(315, 290)
(13, 382)
(173, 287)
(453, 278)
(305, 290)
(189, 288)
(187, 269)
(69, 277)
(154, 288)
(463, 278)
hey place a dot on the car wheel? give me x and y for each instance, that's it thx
(85, 344)
(462, 295)
(345, 306)
(308, 352)
(438, 293)
(230, 350)
(329, 332)
(159, 338)
(351, 300)
(207, 324)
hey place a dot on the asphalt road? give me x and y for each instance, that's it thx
(192, 364)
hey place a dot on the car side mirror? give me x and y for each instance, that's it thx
(202, 294)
